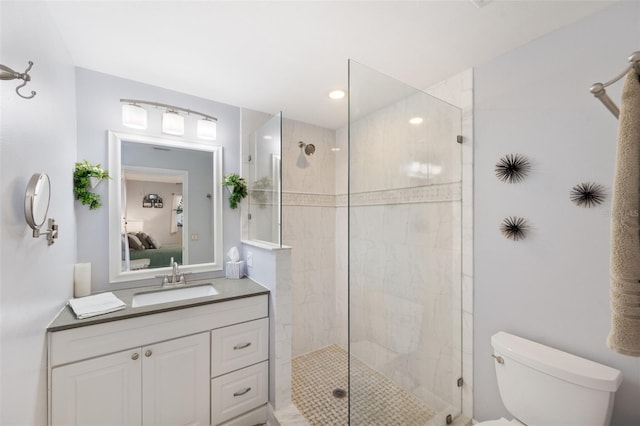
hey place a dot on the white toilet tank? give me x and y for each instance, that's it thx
(542, 386)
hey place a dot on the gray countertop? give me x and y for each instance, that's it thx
(227, 290)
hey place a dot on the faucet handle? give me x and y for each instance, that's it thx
(165, 280)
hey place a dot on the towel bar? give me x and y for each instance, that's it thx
(598, 89)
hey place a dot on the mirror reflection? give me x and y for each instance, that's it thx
(169, 207)
(150, 217)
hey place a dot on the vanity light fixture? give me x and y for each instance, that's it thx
(172, 123)
(416, 120)
(135, 116)
(207, 129)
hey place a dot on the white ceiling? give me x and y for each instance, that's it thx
(286, 56)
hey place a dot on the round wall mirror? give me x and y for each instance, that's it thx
(36, 200)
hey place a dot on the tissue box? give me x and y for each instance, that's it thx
(235, 270)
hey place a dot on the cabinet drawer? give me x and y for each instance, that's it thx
(257, 417)
(236, 393)
(238, 346)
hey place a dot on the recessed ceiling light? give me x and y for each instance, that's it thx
(337, 94)
(416, 120)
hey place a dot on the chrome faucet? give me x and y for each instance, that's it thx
(175, 273)
(175, 278)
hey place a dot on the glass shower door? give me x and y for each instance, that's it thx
(264, 183)
(404, 254)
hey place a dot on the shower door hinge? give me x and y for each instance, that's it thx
(449, 419)
(249, 216)
(249, 158)
(460, 382)
(459, 138)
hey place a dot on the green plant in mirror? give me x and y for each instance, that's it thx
(82, 184)
(260, 189)
(238, 191)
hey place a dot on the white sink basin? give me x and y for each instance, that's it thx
(172, 295)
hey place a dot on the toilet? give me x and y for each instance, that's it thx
(543, 386)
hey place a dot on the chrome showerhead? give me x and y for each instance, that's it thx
(309, 149)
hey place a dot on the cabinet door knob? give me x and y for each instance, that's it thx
(135, 356)
(241, 346)
(242, 392)
(498, 358)
(148, 353)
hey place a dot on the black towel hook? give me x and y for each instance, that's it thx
(7, 73)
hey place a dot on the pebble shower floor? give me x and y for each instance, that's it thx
(376, 400)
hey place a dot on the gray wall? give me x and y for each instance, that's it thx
(36, 135)
(99, 110)
(553, 286)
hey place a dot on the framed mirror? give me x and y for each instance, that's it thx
(165, 206)
(36, 200)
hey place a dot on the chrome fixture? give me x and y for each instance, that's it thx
(135, 116)
(175, 272)
(176, 277)
(498, 358)
(36, 207)
(309, 148)
(598, 88)
(7, 73)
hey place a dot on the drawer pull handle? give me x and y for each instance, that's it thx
(241, 346)
(148, 353)
(134, 356)
(242, 392)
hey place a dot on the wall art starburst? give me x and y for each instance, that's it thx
(514, 228)
(512, 168)
(587, 194)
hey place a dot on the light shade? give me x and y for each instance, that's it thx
(207, 129)
(172, 123)
(134, 116)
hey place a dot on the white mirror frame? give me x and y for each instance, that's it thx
(116, 274)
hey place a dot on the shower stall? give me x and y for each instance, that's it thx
(374, 220)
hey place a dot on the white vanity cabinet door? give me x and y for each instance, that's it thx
(102, 391)
(175, 386)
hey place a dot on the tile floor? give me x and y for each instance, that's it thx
(375, 400)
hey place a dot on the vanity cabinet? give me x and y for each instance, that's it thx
(106, 390)
(194, 366)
